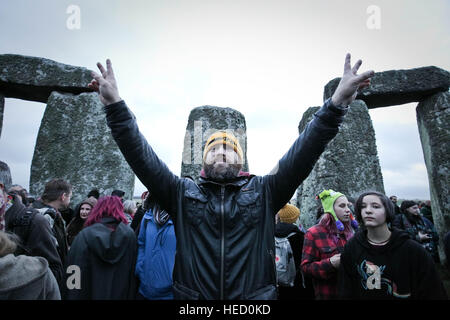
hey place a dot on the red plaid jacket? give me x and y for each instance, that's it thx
(318, 247)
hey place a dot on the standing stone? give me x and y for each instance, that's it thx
(2, 111)
(433, 119)
(349, 163)
(34, 78)
(394, 87)
(204, 121)
(75, 144)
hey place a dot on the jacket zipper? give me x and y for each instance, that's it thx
(222, 243)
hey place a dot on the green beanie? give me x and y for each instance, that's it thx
(328, 197)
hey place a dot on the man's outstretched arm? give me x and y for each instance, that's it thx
(150, 170)
(297, 163)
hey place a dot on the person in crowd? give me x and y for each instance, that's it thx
(396, 207)
(288, 227)
(156, 255)
(56, 196)
(324, 243)
(129, 207)
(67, 214)
(419, 228)
(23, 277)
(426, 212)
(32, 229)
(105, 252)
(226, 204)
(82, 212)
(21, 192)
(142, 208)
(94, 193)
(381, 262)
(118, 193)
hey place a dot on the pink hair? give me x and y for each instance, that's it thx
(107, 206)
(328, 222)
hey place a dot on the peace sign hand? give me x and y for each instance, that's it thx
(350, 83)
(105, 84)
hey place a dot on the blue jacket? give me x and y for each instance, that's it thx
(156, 257)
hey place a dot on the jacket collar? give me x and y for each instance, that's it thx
(239, 181)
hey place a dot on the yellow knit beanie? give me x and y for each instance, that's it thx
(223, 137)
(289, 213)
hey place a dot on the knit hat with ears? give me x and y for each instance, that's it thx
(289, 213)
(223, 137)
(328, 197)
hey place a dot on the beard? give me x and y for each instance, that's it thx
(222, 172)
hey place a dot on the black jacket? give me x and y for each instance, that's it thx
(401, 269)
(58, 227)
(225, 231)
(303, 287)
(106, 259)
(35, 234)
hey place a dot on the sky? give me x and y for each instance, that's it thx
(270, 60)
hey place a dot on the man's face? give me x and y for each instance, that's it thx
(394, 199)
(65, 200)
(222, 163)
(414, 210)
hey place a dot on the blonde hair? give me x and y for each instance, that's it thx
(7, 243)
(129, 206)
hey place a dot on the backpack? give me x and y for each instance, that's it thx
(284, 262)
(21, 227)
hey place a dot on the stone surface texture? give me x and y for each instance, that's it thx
(433, 119)
(75, 144)
(34, 79)
(349, 163)
(395, 87)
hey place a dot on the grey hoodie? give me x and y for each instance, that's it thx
(27, 278)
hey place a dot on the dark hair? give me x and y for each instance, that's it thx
(387, 203)
(118, 193)
(54, 189)
(94, 193)
(5, 175)
(407, 204)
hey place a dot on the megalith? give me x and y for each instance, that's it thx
(433, 119)
(2, 111)
(75, 144)
(202, 122)
(35, 78)
(395, 87)
(349, 163)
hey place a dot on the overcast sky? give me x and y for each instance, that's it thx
(268, 59)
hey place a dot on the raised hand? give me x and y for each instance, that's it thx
(350, 83)
(105, 84)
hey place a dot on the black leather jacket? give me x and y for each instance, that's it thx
(225, 231)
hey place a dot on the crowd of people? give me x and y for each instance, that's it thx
(127, 251)
(230, 235)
